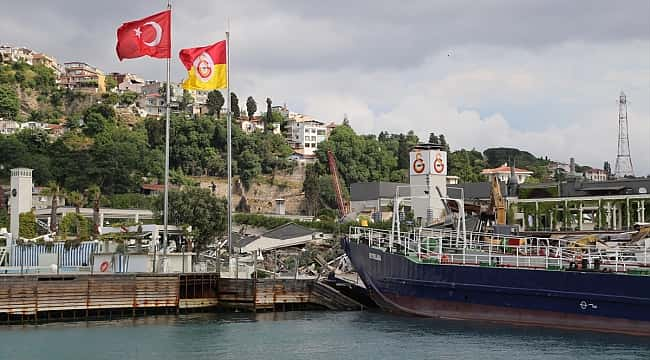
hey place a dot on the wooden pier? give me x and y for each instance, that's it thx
(44, 298)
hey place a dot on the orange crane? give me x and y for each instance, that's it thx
(343, 210)
(497, 202)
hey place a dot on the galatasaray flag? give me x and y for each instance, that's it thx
(206, 67)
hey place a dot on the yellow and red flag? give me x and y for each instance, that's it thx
(206, 67)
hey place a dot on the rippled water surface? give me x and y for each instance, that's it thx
(307, 335)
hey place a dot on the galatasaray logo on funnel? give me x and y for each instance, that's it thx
(438, 164)
(418, 164)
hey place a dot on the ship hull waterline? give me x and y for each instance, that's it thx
(456, 292)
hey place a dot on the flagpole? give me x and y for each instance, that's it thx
(229, 120)
(166, 205)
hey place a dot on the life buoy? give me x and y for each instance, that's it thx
(103, 267)
(445, 259)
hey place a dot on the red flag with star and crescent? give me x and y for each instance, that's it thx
(148, 36)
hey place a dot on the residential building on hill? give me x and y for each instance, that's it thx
(502, 173)
(16, 54)
(305, 132)
(128, 82)
(595, 175)
(49, 62)
(8, 127)
(83, 77)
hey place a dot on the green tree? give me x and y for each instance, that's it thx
(608, 168)
(54, 191)
(191, 139)
(45, 79)
(249, 167)
(251, 107)
(27, 225)
(187, 100)
(94, 194)
(155, 131)
(4, 218)
(9, 103)
(110, 83)
(466, 164)
(20, 77)
(443, 142)
(200, 209)
(162, 90)
(215, 102)
(234, 105)
(269, 113)
(98, 118)
(78, 200)
(128, 98)
(311, 187)
(121, 151)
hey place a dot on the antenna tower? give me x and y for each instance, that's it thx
(623, 159)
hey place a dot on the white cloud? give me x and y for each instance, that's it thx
(553, 103)
(541, 76)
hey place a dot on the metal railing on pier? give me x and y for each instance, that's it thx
(444, 246)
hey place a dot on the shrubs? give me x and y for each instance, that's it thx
(74, 224)
(27, 228)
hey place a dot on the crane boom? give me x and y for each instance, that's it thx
(337, 185)
(498, 203)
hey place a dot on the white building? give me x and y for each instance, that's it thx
(16, 54)
(503, 174)
(595, 175)
(130, 82)
(8, 127)
(305, 132)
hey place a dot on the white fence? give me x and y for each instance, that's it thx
(451, 247)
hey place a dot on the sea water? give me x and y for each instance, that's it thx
(307, 335)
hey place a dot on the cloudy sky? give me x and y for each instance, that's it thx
(543, 76)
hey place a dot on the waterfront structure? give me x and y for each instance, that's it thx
(623, 165)
(83, 77)
(375, 198)
(20, 198)
(135, 215)
(582, 205)
(283, 236)
(502, 173)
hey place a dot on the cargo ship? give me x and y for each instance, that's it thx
(463, 275)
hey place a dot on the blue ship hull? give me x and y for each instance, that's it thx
(594, 301)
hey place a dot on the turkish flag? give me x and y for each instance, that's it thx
(149, 36)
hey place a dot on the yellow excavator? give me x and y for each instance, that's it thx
(497, 202)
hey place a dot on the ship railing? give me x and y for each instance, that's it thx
(486, 249)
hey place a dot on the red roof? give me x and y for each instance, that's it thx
(505, 169)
